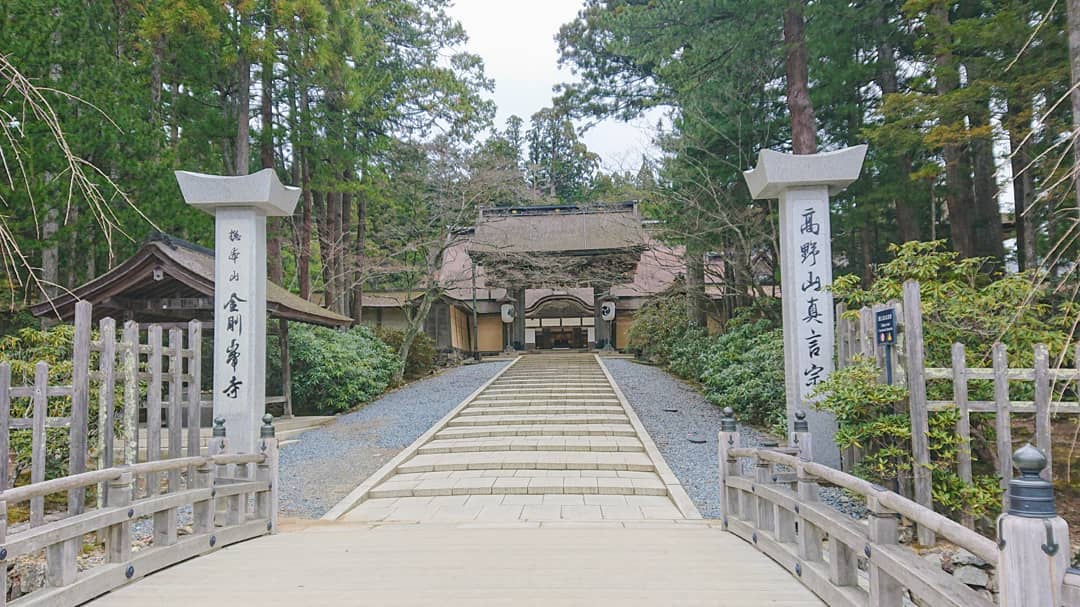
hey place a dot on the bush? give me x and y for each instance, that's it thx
(742, 368)
(335, 371)
(422, 354)
(871, 417)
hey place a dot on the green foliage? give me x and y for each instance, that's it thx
(657, 327)
(421, 359)
(335, 371)
(742, 368)
(871, 417)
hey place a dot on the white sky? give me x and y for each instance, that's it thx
(516, 39)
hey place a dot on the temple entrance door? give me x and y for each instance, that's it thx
(561, 338)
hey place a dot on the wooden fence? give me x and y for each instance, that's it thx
(858, 337)
(776, 507)
(157, 379)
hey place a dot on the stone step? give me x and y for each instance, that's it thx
(549, 389)
(397, 487)
(566, 418)
(508, 402)
(528, 460)
(538, 430)
(518, 507)
(539, 408)
(534, 443)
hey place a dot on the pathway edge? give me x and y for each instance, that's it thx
(675, 489)
(359, 494)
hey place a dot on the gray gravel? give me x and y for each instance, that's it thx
(650, 390)
(328, 462)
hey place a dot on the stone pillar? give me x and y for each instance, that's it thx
(1033, 541)
(803, 184)
(240, 206)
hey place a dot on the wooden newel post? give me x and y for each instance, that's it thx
(3, 551)
(809, 536)
(118, 536)
(727, 439)
(217, 445)
(266, 502)
(1033, 541)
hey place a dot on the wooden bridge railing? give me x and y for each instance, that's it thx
(232, 497)
(776, 507)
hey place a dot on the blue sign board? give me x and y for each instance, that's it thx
(886, 326)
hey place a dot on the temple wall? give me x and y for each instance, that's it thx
(622, 327)
(490, 332)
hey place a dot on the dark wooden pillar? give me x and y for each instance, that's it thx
(599, 324)
(518, 333)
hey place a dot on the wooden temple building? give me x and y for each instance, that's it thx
(170, 282)
(556, 265)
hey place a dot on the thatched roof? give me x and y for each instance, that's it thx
(181, 290)
(568, 233)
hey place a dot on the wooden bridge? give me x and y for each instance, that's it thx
(541, 488)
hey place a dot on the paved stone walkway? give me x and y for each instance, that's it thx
(550, 439)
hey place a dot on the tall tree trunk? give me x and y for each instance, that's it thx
(959, 197)
(696, 312)
(275, 225)
(358, 255)
(803, 128)
(907, 217)
(1073, 12)
(326, 247)
(303, 256)
(988, 233)
(345, 254)
(242, 149)
(1023, 185)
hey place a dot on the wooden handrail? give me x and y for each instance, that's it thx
(94, 477)
(977, 544)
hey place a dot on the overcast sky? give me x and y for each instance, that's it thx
(516, 39)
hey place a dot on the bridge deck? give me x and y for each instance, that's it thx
(432, 564)
(542, 488)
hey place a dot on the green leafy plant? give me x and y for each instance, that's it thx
(421, 359)
(872, 417)
(337, 370)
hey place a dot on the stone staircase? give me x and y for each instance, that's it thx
(549, 439)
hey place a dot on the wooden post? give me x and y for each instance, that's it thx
(1002, 418)
(5, 421)
(176, 413)
(118, 536)
(194, 388)
(917, 406)
(843, 343)
(37, 444)
(203, 511)
(866, 332)
(1042, 408)
(106, 402)
(3, 556)
(80, 404)
(217, 444)
(266, 502)
(153, 409)
(1033, 542)
(763, 475)
(286, 366)
(129, 372)
(809, 535)
(883, 530)
(727, 439)
(963, 422)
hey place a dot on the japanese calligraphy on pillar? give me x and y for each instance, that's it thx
(234, 316)
(813, 314)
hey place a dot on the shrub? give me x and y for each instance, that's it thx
(335, 371)
(871, 417)
(742, 368)
(422, 354)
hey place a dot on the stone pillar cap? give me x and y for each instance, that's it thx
(776, 172)
(262, 190)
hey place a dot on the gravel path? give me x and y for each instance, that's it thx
(328, 462)
(650, 390)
